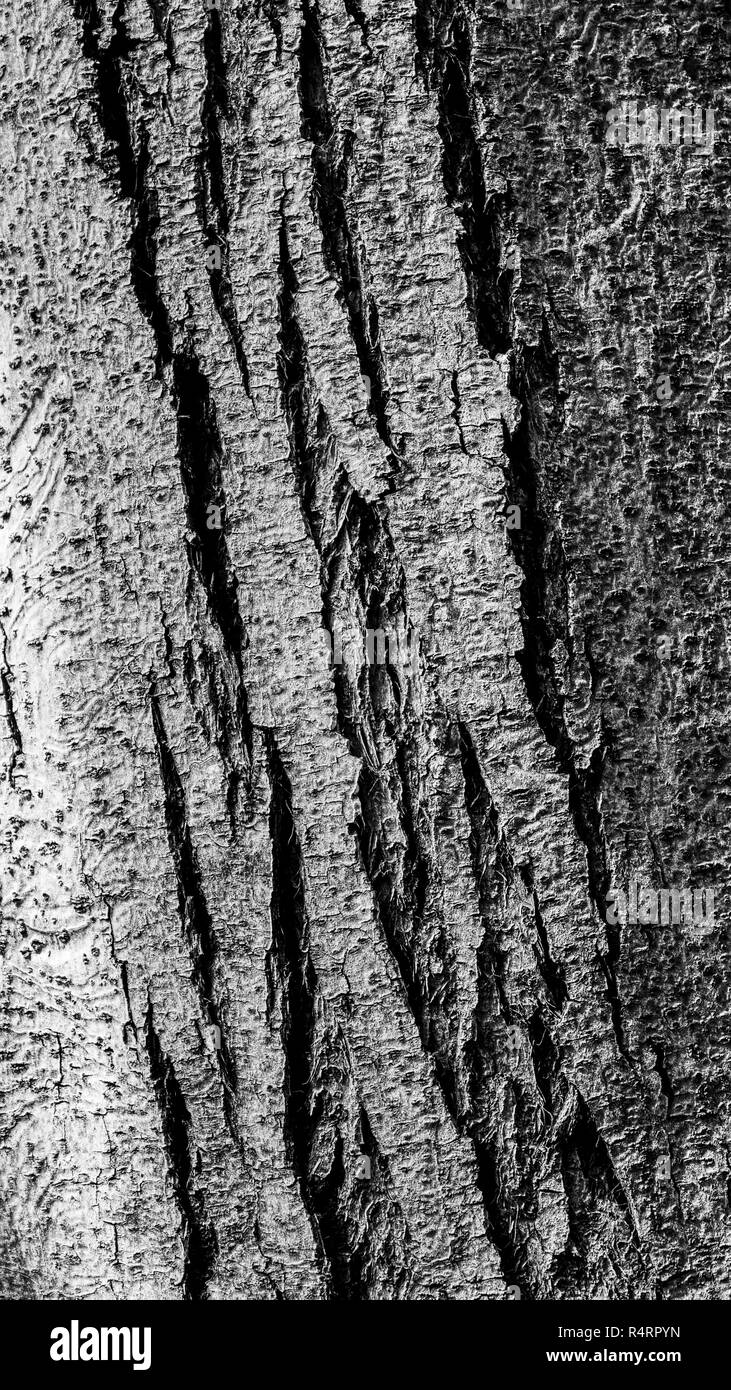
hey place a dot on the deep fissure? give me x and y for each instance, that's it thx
(343, 255)
(212, 201)
(193, 910)
(199, 1238)
(289, 966)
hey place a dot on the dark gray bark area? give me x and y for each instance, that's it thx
(307, 990)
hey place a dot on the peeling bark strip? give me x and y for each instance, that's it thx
(199, 1238)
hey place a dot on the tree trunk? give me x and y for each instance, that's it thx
(343, 317)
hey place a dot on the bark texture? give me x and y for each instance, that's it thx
(306, 986)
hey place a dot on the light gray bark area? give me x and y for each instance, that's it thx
(262, 917)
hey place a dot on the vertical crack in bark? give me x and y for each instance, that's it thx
(271, 12)
(289, 965)
(192, 905)
(162, 21)
(200, 454)
(355, 1227)
(13, 728)
(383, 1239)
(199, 1238)
(212, 203)
(589, 1177)
(546, 1059)
(289, 958)
(400, 888)
(367, 1237)
(491, 862)
(444, 48)
(580, 1140)
(115, 86)
(328, 1188)
(193, 909)
(58, 1084)
(122, 964)
(355, 12)
(343, 252)
(553, 973)
(538, 550)
(293, 378)
(666, 1085)
(494, 874)
(125, 990)
(457, 411)
(588, 1174)
(200, 457)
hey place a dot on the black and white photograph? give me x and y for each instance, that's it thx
(365, 669)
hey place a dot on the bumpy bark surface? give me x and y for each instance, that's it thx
(353, 278)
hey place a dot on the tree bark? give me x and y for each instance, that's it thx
(339, 317)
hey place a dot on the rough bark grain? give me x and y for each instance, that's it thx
(354, 277)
